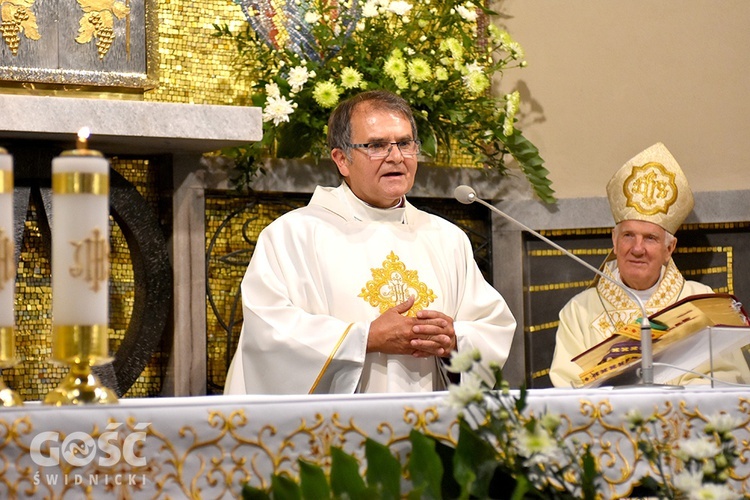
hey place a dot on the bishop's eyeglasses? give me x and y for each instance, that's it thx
(381, 149)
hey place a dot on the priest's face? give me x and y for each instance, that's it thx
(380, 182)
(641, 248)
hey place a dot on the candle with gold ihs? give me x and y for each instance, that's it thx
(80, 272)
(8, 358)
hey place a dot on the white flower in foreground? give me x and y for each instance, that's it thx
(370, 9)
(711, 491)
(298, 77)
(399, 7)
(278, 110)
(697, 448)
(688, 481)
(537, 442)
(634, 417)
(468, 391)
(722, 423)
(468, 12)
(312, 17)
(462, 361)
(272, 90)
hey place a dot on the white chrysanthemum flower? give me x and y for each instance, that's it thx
(272, 90)
(634, 417)
(697, 449)
(298, 77)
(399, 7)
(722, 423)
(312, 17)
(468, 391)
(712, 491)
(370, 9)
(462, 361)
(468, 12)
(516, 50)
(441, 74)
(688, 481)
(537, 442)
(475, 79)
(278, 109)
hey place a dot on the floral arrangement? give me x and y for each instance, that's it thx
(505, 451)
(301, 58)
(695, 468)
(501, 452)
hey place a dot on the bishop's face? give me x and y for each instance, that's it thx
(641, 251)
(379, 182)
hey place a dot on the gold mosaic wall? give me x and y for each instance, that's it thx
(195, 67)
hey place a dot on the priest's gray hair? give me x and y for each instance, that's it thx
(340, 121)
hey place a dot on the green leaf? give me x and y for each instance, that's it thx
(294, 140)
(523, 486)
(345, 477)
(589, 485)
(474, 463)
(253, 493)
(383, 470)
(527, 156)
(284, 488)
(313, 481)
(425, 466)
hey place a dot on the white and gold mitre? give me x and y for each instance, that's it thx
(651, 187)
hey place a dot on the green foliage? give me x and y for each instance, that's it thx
(443, 57)
(489, 460)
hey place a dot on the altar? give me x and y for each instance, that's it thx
(207, 447)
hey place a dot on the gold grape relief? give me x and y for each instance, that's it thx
(17, 17)
(98, 23)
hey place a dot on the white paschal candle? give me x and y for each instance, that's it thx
(80, 238)
(7, 254)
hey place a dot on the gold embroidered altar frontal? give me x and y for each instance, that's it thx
(207, 447)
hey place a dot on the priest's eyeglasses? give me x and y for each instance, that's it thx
(381, 149)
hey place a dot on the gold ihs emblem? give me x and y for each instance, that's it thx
(392, 284)
(91, 260)
(7, 260)
(650, 189)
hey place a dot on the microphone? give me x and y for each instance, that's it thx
(467, 195)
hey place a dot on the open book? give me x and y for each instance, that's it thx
(679, 327)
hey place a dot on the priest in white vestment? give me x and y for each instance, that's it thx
(360, 291)
(649, 197)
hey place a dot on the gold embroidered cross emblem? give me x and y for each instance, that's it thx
(392, 284)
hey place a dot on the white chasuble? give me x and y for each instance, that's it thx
(320, 274)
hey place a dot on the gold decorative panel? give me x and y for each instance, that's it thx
(80, 43)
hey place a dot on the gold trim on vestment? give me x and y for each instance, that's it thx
(330, 358)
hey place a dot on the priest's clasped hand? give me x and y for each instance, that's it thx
(431, 333)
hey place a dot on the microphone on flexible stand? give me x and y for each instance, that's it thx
(467, 196)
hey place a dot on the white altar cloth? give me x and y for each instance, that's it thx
(206, 447)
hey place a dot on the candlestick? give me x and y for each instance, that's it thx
(8, 358)
(80, 272)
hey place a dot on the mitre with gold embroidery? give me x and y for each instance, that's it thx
(651, 187)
